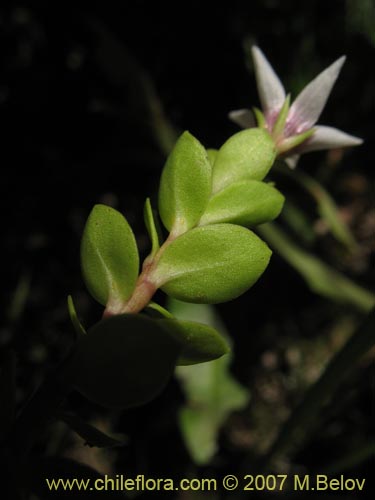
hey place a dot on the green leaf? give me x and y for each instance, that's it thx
(320, 277)
(199, 342)
(79, 329)
(249, 154)
(279, 125)
(246, 203)
(185, 185)
(151, 227)
(157, 311)
(211, 264)
(123, 361)
(109, 257)
(212, 154)
(91, 435)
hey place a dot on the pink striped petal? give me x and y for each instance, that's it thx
(270, 89)
(329, 138)
(309, 104)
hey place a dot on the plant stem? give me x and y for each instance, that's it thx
(145, 287)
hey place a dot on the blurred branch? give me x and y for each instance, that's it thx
(320, 277)
(326, 205)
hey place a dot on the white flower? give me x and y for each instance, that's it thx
(293, 127)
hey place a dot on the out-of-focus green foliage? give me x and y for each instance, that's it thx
(212, 393)
(320, 277)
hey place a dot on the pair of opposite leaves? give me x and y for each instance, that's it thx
(204, 201)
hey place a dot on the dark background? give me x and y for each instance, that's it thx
(76, 83)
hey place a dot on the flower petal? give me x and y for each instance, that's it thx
(243, 117)
(309, 104)
(329, 138)
(270, 89)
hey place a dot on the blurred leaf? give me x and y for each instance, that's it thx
(109, 256)
(91, 435)
(211, 391)
(248, 154)
(246, 203)
(360, 17)
(320, 277)
(327, 207)
(123, 361)
(7, 392)
(151, 227)
(79, 329)
(185, 185)
(212, 264)
(299, 222)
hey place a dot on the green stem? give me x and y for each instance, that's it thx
(145, 288)
(303, 417)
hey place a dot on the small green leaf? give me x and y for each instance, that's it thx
(123, 361)
(280, 122)
(260, 118)
(151, 227)
(109, 257)
(185, 185)
(199, 343)
(212, 154)
(74, 318)
(246, 203)
(211, 264)
(249, 154)
(91, 435)
(157, 311)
